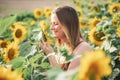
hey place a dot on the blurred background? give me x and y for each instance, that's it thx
(8, 7)
(24, 23)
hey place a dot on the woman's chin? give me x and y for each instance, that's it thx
(55, 36)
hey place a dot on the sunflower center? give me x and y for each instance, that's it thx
(4, 45)
(79, 13)
(11, 53)
(38, 13)
(97, 9)
(93, 72)
(98, 36)
(44, 24)
(114, 23)
(18, 33)
(115, 9)
(3, 78)
(97, 21)
(83, 23)
(47, 10)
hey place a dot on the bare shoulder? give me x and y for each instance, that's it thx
(79, 50)
(82, 47)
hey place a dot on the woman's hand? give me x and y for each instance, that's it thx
(46, 47)
(55, 60)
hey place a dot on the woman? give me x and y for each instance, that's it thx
(65, 28)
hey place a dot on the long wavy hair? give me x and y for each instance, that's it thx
(69, 19)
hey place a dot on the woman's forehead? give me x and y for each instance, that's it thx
(54, 17)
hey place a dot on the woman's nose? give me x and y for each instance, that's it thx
(52, 27)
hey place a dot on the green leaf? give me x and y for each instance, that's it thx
(27, 73)
(32, 50)
(112, 49)
(68, 75)
(18, 62)
(52, 73)
(35, 58)
(25, 48)
(5, 23)
(106, 45)
(37, 36)
(115, 73)
(45, 65)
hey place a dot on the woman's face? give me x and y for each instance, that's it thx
(57, 27)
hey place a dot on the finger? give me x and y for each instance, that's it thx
(41, 44)
(46, 44)
(43, 41)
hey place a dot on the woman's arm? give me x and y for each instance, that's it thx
(53, 60)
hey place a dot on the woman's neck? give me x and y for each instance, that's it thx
(65, 40)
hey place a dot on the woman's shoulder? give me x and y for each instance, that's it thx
(82, 47)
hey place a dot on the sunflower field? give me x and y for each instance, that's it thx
(21, 58)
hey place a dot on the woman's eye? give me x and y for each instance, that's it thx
(56, 23)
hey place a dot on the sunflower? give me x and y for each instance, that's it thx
(114, 8)
(119, 58)
(43, 25)
(93, 22)
(8, 74)
(19, 33)
(91, 4)
(80, 13)
(96, 37)
(0, 53)
(83, 23)
(49, 39)
(32, 22)
(94, 65)
(19, 23)
(96, 8)
(11, 52)
(47, 9)
(115, 20)
(12, 27)
(38, 13)
(4, 43)
(48, 14)
(115, 23)
(118, 31)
